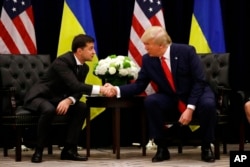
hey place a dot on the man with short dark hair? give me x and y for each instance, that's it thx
(58, 93)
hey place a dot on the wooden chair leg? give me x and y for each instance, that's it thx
(224, 148)
(18, 144)
(50, 149)
(181, 139)
(5, 152)
(217, 149)
(217, 141)
(180, 147)
(242, 137)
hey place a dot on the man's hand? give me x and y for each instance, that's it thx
(186, 117)
(63, 106)
(108, 90)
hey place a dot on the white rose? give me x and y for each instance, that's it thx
(134, 72)
(120, 58)
(123, 72)
(101, 69)
(112, 70)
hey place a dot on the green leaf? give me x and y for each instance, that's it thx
(126, 64)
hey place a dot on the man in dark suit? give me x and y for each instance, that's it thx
(189, 88)
(58, 93)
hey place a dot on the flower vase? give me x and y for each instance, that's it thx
(116, 81)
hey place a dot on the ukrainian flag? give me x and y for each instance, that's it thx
(207, 33)
(76, 19)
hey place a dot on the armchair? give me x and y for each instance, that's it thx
(17, 74)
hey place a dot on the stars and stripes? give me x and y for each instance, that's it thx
(146, 13)
(17, 35)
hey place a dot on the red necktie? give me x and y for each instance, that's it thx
(168, 74)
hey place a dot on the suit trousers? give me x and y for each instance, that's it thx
(76, 115)
(160, 107)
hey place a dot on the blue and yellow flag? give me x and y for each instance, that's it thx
(76, 19)
(207, 33)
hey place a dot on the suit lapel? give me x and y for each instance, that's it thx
(174, 61)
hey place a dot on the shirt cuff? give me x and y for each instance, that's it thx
(96, 90)
(192, 107)
(118, 95)
(73, 100)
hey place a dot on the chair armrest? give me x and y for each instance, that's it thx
(242, 95)
(223, 99)
(230, 100)
(223, 88)
(8, 99)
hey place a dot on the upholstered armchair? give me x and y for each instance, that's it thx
(17, 74)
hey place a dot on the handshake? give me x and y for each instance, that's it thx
(108, 90)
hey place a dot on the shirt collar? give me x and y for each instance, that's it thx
(77, 61)
(167, 53)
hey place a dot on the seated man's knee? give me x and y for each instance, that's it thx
(149, 101)
(47, 108)
(208, 105)
(81, 108)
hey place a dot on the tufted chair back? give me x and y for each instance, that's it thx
(20, 72)
(216, 66)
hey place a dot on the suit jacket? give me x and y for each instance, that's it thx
(61, 81)
(187, 71)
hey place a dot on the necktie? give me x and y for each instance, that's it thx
(168, 74)
(79, 71)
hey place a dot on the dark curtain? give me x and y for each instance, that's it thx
(112, 21)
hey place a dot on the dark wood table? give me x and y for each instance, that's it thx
(116, 104)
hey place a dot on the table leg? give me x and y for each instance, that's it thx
(113, 130)
(143, 121)
(117, 132)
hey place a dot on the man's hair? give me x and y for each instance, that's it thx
(80, 41)
(158, 34)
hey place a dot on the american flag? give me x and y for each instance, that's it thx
(17, 33)
(146, 13)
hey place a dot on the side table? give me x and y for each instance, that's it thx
(116, 104)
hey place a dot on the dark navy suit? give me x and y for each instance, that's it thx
(191, 88)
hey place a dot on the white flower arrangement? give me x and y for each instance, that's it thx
(116, 67)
